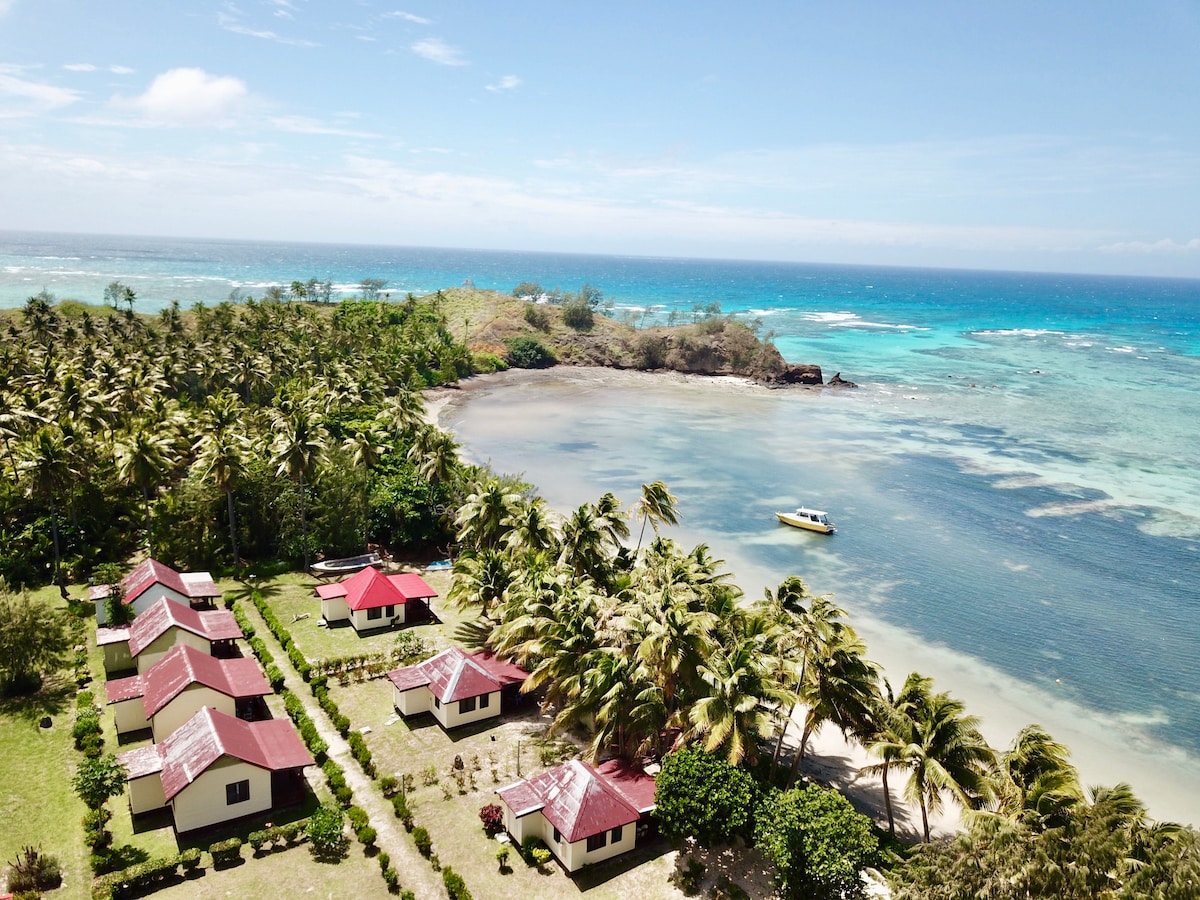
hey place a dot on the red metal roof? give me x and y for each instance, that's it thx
(575, 798)
(370, 589)
(164, 614)
(123, 689)
(105, 636)
(630, 782)
(141, 762)
(183, 666)
(210, 735)
(454, 675)
(198, 585)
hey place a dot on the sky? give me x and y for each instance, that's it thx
(1059, 136)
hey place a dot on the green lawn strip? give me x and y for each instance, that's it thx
(38, 807)
(291, 871)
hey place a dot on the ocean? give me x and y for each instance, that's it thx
(1016, 480)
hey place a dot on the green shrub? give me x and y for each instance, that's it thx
(391, 877)
(367, 836)
(502, 854)
(256, 839)
(384, 859)
(274, 676)
(389, 784)
(225, 853)
(344, 795)
(541, 856)
(326, 837)
(33, 872)
(689, 877)
(455, 886)
(537, 316)
(528, 353)
(424, 843)
(190, 859)
(358, 817)
(578, 314)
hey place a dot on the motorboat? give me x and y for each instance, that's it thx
(808, 519)
(331, 568)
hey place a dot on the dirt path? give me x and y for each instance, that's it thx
(415, 872)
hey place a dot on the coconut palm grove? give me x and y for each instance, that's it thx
(254, 437)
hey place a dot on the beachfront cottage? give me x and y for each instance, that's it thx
(584, 814)
(162, 626)
(182, 683)
(370, 600)
(151, 581)
(216, 768)
(457, 687)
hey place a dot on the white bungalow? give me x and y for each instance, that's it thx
(216, 768)
(584, 814)
(179, 685)
(457, 687)
(150, 582)
(370, 600)
(159, 628)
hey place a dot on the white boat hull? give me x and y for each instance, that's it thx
(808, 521)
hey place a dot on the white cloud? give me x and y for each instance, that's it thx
(283, 9)
(230, 24)
(438, 51)
(188, 96)
(303, 125)
(407, 17)
(1164, 247)
(507, 83)
(41, 96)
(6, 5)
(88, 67)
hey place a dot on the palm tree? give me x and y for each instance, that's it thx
(222, 452)
(741, 693)
(301, 440)
(480, 520)
(839, 686)
(530, 527)
(480, 579)
(144, 457)
(943, 751)
(656, 507)
(1036, 781)
(44, 463)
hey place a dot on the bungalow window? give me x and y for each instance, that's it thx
(391, 610)
(375, 612)
(437, 702)
(238, 792)
(557, 836)
(467, 705)
(597, 841)
(484, 699)
(615, 837)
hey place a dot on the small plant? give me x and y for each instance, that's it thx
(429, 776)
(492, 817)
(384, 859)
(690, 876)
(226, 853)
(502, 854)
(423, 841)
(389, 784)
(326, 837)
(33, 872)
(455, 886)
(541, 856)
(392, 878)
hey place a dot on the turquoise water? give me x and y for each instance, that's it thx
(1016, 480)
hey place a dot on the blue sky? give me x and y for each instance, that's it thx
(1059, 136)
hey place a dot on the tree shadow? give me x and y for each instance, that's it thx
(52, 698)
(474, 633)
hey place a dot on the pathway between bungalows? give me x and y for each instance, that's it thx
(415, 872)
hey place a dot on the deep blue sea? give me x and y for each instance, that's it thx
(1016, 480)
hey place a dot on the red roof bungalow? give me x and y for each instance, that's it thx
(153, 580)
(457, 687)
(179, 685)
(159, 628)
(369, 600)
(216, 768)
(584, 814)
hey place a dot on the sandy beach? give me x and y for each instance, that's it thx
(1107, 749)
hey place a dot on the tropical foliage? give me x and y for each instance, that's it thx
(245, 431)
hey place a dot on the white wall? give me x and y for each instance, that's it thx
(144, 600)
(117, 657)
(202, 802)
(572, 856)
(159, 647)
(358, 618)
(129, 715)
(335, 609)
(146, 794)
(412, 702)
(450, 717)
(186, 704)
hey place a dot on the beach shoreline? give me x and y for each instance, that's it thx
(1106, 749)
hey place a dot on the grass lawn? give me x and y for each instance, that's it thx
(37, 805)
(489, 752)
(291, 597)
(291, 871)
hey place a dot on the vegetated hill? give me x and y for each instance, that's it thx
(502, 325)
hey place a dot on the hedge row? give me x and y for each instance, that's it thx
(277, 836)
(305, 725)
(282, 635)
(143, 877)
